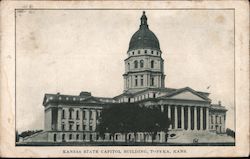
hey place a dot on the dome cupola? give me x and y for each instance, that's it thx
(144, 38)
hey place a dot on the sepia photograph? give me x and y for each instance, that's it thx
(127, 79)
(132, 79)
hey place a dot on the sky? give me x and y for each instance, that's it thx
(70, 51)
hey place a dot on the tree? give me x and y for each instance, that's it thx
(29, 133)
(117, 118)
(230, 132)
(131, 117)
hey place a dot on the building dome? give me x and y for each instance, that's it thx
(144, 38)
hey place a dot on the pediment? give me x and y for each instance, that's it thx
(186, 95)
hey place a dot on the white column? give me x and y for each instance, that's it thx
(195, 118)
(214, 122)
(201, 118)
(182, 117)
(207, 119)
(162, 108)
(81, 119)
(94, 119)
(59, 119)
(87, 119)
(175, 117)
(169, 115)
(189, 118)
(222, 124)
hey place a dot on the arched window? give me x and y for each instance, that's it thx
(84, 114)
(63, 114)
(136, 64)
(63, 137)
(77, 114)
(152, 64)
(128, 66)
(70, 113)
(90, 114)
(141, 63)
(116, 137)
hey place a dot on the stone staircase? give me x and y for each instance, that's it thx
(199, 137)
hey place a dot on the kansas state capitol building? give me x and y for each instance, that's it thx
(75, 117)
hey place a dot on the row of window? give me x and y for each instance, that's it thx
(218, 120)
(141, 81)
(77, 137)
(84, 127)
(217, 128)
(141, 63)
(138, 98)
(97, 137)
(145, 51)
(71, 111)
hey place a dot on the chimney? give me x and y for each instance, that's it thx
(219, 103)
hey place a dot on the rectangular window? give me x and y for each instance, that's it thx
(77, 127)
(70, 114)
(63, 114)
(70, 127)
(63, 127)
(142, 80)
(90, 128)
(77, 114)
(152, 81)
(70, 136)
(84, 127)
(90, 114)
(77, 136)
(136, 82)
(83, 114)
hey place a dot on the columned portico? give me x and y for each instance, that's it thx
(169, 116)
(195, 118)
(201, 118)
(189, 120)
(207, 119)
(182, 118)
(175, 118)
